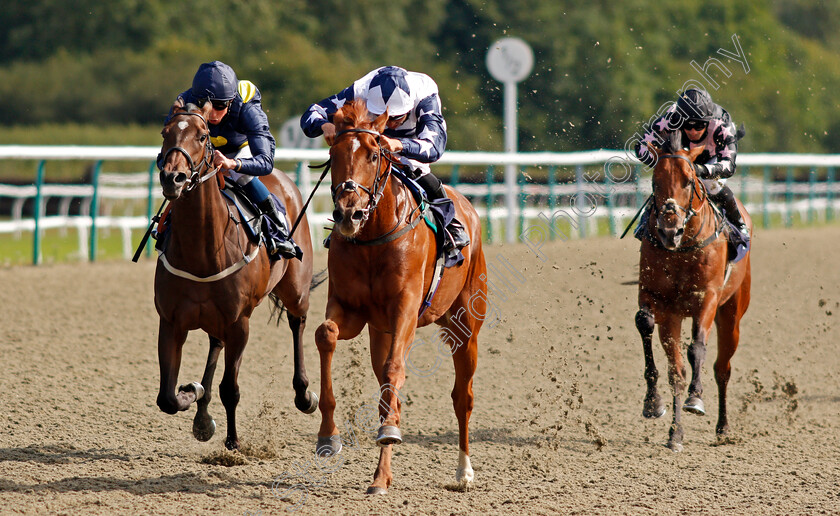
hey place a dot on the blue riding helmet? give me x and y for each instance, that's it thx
(389, 90)
(215, 81)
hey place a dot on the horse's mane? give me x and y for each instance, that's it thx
(352, 115)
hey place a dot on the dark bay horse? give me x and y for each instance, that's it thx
(211, 276)
(683, 273)
(380, 268)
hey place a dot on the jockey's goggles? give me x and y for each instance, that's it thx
(218, 105)
(695, 125)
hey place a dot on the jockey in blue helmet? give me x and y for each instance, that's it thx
(240, 134)
(416, 130)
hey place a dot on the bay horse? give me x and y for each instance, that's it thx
(380, 267)
(683, 272)
(211, 276)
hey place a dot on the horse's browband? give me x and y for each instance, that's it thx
(190, 113)
(677, 156)
(354, 130)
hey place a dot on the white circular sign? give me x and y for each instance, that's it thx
(291, 136)
(510, 60)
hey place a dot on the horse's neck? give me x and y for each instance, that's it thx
(199, 224)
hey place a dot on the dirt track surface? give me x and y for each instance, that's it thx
(557, 425)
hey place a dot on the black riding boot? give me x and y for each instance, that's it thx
(284, 246)
(434, 189)
(726, 200)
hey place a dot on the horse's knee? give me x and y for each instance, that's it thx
(167, 403)
(326, 336)
(644, 322)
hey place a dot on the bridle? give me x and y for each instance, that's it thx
(672, 207)
(690, 212)
(206, 162)
(377, 189)
(194, 181)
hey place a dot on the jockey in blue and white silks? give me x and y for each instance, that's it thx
(415, 131)
(701, 123)
(243, 141)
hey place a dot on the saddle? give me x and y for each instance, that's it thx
(439, 214)
(257, 227)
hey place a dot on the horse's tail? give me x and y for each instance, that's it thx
(277, 308)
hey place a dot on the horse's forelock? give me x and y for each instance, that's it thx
(354, 115)
(674, 142)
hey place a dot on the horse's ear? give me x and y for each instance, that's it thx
(380, 122)
(205, 110)
(178, 104)
(338, 117)
(693, 153)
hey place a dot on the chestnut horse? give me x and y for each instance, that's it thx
(211, 276)
(683, 273)
(380, 268)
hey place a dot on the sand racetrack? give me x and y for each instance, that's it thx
(557, 425)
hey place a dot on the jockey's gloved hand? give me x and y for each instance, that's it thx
(701, 171)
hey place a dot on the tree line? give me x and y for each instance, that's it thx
(601, 68)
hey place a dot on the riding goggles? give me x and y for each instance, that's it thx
(695, 125)
(218, 105)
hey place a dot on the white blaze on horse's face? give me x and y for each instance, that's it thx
(350, 195)
(182, 125)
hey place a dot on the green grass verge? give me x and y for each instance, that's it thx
(58, 248)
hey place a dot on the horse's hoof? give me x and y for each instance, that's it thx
(652, 411)
(388, 435)
(464, 478)
(675, 447)
(372, 490)
(328, 446)
(195, 387)
(694, 405)
(204, 434)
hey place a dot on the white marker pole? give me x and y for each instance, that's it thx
(511, 135)
(510, 60)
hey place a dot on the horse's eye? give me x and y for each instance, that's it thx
(374, 157)
(203, 138)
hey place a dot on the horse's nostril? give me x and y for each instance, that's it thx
(357, 215)
(180, 178)
(337, 217)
